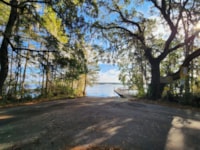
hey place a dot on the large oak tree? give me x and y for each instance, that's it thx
(136, 24)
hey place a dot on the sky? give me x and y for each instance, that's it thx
(108, 73)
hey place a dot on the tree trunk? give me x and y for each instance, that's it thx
(24, 74)
(155, 86)
(47, 75)
(4, 46)
(85, 84)
(47, 80)
(43, 81)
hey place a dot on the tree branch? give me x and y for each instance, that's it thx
(5, 2)
(186, 63)
(22, 3)
(28, 49)
(190, 57)
(35, 50)
(37, 1)
(124, 19)
(166, 15)
(180, 45)
(111, 26)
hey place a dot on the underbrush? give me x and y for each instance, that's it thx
(16, 99)
(184, 99)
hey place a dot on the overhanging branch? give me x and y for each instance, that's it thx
(180, 45)
(28, 49)
(190, 57)
(22, 3)
(124, 19)
(111, 26)
(186, 63)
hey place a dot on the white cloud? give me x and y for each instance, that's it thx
(110, 76)
(160, 29)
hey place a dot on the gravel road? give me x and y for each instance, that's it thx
(104, 123)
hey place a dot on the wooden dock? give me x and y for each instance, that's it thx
(125, 93)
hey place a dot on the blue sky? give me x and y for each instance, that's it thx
(108, 73)
(106, 67)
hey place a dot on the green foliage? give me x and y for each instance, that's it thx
(61, 89)
(4, 13)
(54, 25)
(52, 34)
(190, 99)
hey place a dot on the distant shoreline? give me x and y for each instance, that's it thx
(107, 83)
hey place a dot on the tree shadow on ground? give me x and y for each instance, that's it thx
(102, 123)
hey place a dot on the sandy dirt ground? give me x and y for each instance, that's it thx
(98, 124)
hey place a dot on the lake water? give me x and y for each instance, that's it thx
(102, 90)
(97, 90)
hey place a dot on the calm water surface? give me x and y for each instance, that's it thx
(102, 90)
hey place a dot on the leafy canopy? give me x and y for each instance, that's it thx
(4, 13)
(54, 26)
